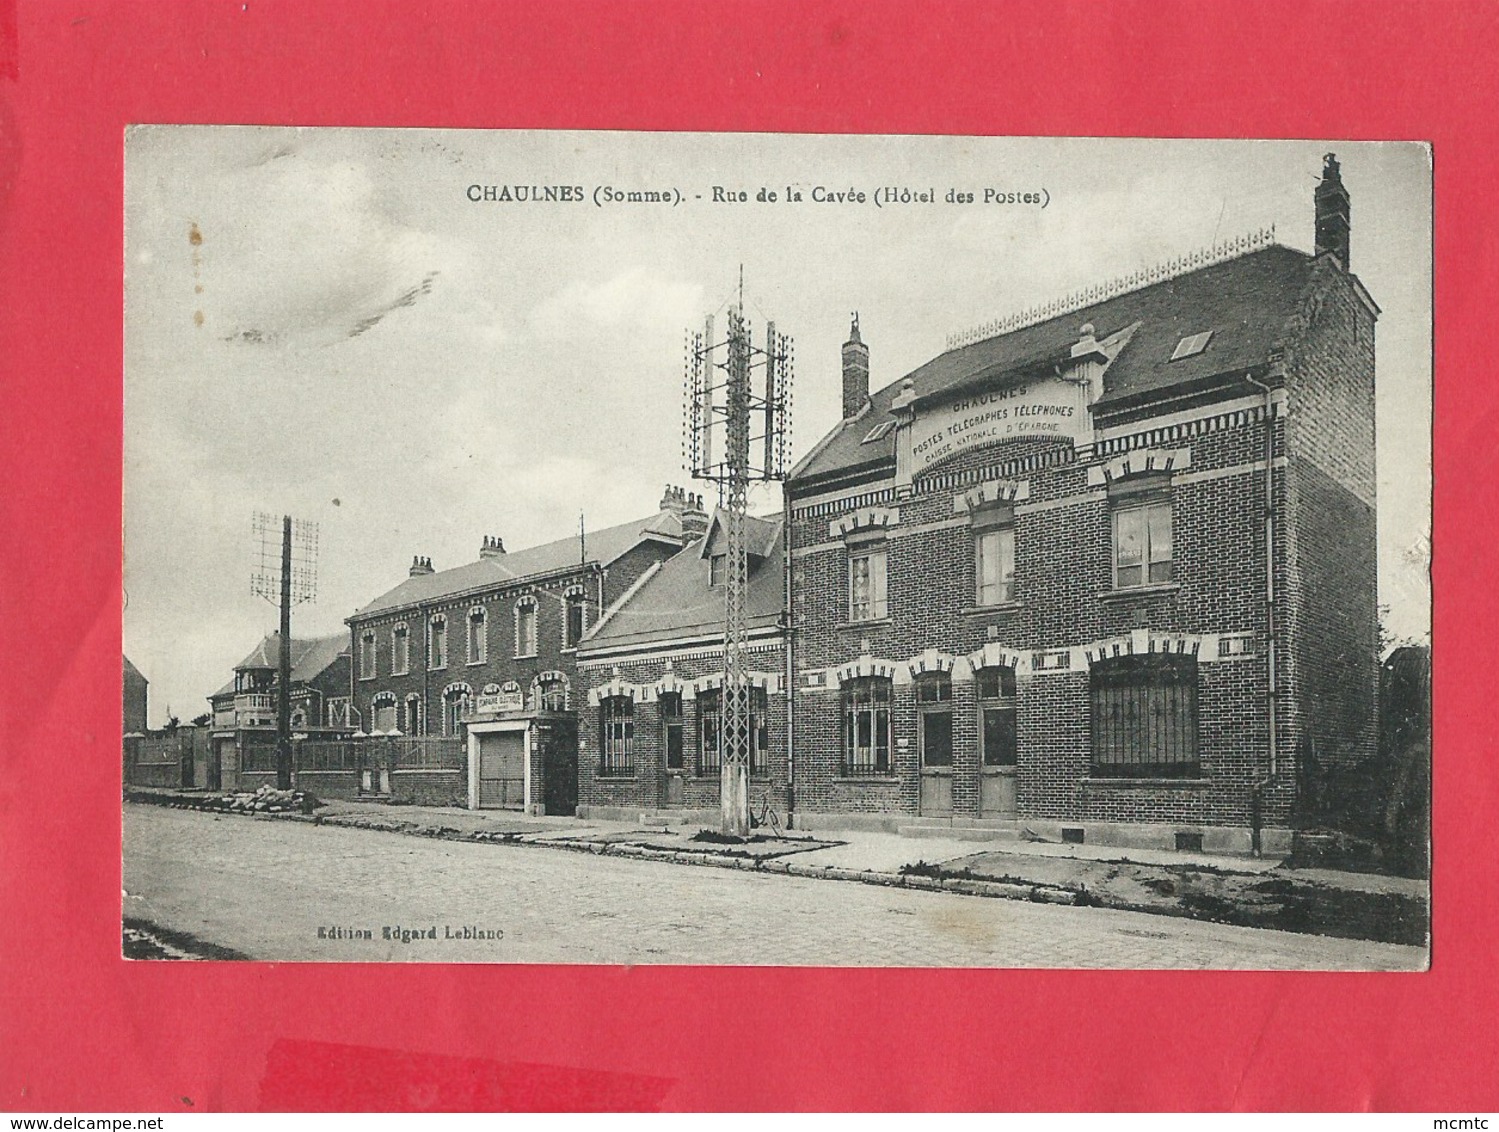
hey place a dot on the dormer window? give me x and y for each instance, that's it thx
(1191, 345)
(716, 565)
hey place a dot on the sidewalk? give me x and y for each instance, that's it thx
(1238, 890)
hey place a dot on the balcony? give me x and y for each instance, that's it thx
(253, 709)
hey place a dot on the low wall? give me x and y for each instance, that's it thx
(429, 787)
(167, 775)
(327, 783)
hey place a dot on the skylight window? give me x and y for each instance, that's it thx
(878, 432)
(1191, 345)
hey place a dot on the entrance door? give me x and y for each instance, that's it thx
(997, 734)
(502, 770)
(934, 702)
(936, 764)
(559, 745)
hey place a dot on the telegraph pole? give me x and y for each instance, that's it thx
(283, 667)
(286, 576)
(722, 411)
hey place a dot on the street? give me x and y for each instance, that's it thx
(279, 890)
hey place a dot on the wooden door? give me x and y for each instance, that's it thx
(936, 763)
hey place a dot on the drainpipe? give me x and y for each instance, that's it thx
(1257, 795)
(786, 620)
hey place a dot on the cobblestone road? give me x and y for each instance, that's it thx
(266, 887)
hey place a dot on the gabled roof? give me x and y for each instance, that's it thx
(310, 658)
(1246, 302)
(759, 536)
(602, 547)
(131, 669)
(676, 601)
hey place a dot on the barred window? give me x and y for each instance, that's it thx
(866, 726)
(711, 732)
(996, 691)
(617, 736)
(1145, 717)
(709, 721)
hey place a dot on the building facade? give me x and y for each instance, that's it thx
(1108, 575)
(136, 689)
(651, 740)
(487, 653)
(241, 751)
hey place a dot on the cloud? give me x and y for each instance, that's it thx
(292, 250)
(638, 296)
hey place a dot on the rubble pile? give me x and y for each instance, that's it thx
(265, 800)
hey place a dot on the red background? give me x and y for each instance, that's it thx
(81, 1029)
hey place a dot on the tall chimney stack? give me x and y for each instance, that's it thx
(1332, 212)
(855, 372)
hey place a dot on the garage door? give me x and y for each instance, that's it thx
(502, 770)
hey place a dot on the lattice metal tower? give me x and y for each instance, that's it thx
(723, 411)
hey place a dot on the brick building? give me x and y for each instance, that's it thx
(242, 746)
(653, 669)
(487, 652)
(1108, 574)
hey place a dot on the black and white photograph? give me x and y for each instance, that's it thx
(770, 549)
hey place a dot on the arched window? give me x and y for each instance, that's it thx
(617, 736)
(551, 694)
(478, 639)
(400, 650)
(457, 700)
(382, 712)
(866, 726)
(413, 723)
(575, 609)
(367, 655)
(525, 627)
(437, 641)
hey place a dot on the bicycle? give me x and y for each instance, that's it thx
(766, 816)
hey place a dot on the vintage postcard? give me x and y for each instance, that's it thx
(563, 547)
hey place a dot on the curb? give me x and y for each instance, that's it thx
(1009, 889)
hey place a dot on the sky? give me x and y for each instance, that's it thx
(321, 322)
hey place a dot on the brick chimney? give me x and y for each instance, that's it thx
(855, 372)
(1332, 212)
(694, 519)
(420, 566)
(688, 508)
(492, 547)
